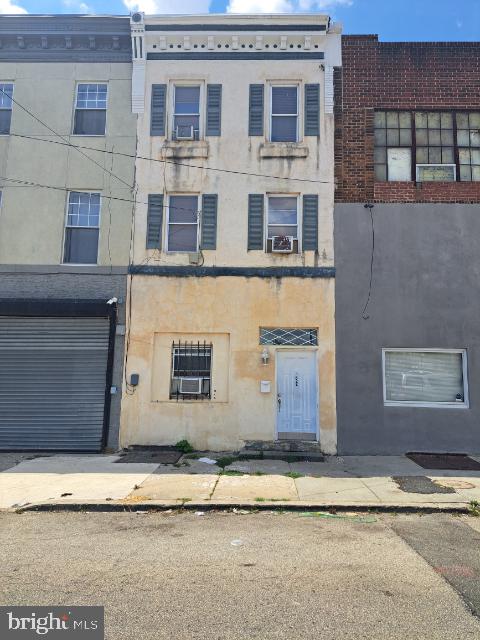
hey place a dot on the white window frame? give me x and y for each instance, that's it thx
(201, 107)
(273, 85)
(167, 231)
(67, 226)
(4, 82)
(433, 405)
(90, 135)
(298, 225)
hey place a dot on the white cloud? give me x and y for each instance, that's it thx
(283, 6)
(6, 6)
(77, 6)
(168, 6)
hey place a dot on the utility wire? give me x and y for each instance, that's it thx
(172, 162)
(365, 316)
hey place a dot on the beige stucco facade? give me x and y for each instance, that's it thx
(228, 311)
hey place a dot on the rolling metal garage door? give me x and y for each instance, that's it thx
(52, 382)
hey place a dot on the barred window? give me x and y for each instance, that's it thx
(427, 146)
(289, 336)
(191, 371)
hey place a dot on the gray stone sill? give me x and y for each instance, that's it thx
(283, 150)
(190, 149)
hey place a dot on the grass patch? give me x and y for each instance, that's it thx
(226, 461)
(474, 508)
(260, 499)
(294, 475)
(231, 472)
(184, 446)
(258, 473)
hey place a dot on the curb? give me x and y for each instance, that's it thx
(119, 507)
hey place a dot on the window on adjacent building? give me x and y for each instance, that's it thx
(191, 370)
(90, 110)
(183, 224)
(425, 377)
(186, 112)
(6, 95)
(468, 137)
(82, 228)
(284, 114)
(427, 146)
(282, 222)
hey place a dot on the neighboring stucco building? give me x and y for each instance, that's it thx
(65, 228)
(408, 142)
(232, 285)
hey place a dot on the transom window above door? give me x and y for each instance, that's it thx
(183, 219)
(186, 112)
(284, 114)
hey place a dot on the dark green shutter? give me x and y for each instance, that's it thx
(312, 109)
(159, 95)
(255, 114)
(255, 221)
(214, 110)
(154, 221)
(209, 220)
(310, 223)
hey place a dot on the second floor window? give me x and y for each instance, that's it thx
(90, 110)
(82, 228)
(186, 113)
(282, 224)
(183, 224)
(284, 114)
(427, 146)
(6, 95)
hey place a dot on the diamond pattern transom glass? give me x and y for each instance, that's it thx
(293, 337)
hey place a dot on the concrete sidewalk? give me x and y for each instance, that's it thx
(99, 481)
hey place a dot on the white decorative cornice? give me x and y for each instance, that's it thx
(139, 55)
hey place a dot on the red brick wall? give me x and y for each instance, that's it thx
(398, 75)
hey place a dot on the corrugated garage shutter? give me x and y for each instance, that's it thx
(52, 382)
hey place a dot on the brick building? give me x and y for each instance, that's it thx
(407, 141)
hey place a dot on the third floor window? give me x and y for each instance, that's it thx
(90, 110)
(6, 95)
(186, 113)
(427, 146)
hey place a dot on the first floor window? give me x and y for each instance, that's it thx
(6, 95)
(183, 224)
(284, 105)
(186, 113)
(191, 370)
(430, 378)
(90, 110)
(282, 222)
(82, 228)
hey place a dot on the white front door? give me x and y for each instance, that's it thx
(296, 395)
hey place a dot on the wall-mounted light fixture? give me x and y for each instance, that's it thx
(265, 356)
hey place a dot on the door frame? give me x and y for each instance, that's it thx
(314, 350)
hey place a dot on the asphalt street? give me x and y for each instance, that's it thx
(258, 576)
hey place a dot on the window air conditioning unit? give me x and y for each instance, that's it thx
(282, 244)
(185, 132)
(191, 386)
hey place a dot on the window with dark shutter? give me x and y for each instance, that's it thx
(255, 221)
(255, 116)
(209, 221)
(154, 221)
(214, 110)
(312, 109)
(157, 124)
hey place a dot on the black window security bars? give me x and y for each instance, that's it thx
(191, 371)
(293, 337)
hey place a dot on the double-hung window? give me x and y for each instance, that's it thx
(6, 95)
(284, 114)
(186, 112)
(282, 222)
(425, 377)
(191, 371)
(183, 217)
(90, 110)
(427, 146)
(82, 228)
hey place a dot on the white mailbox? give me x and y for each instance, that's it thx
(265, 386)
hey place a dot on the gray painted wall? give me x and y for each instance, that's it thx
(80, 285)
(426, 293)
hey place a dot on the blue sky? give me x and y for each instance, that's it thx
(391, 19)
